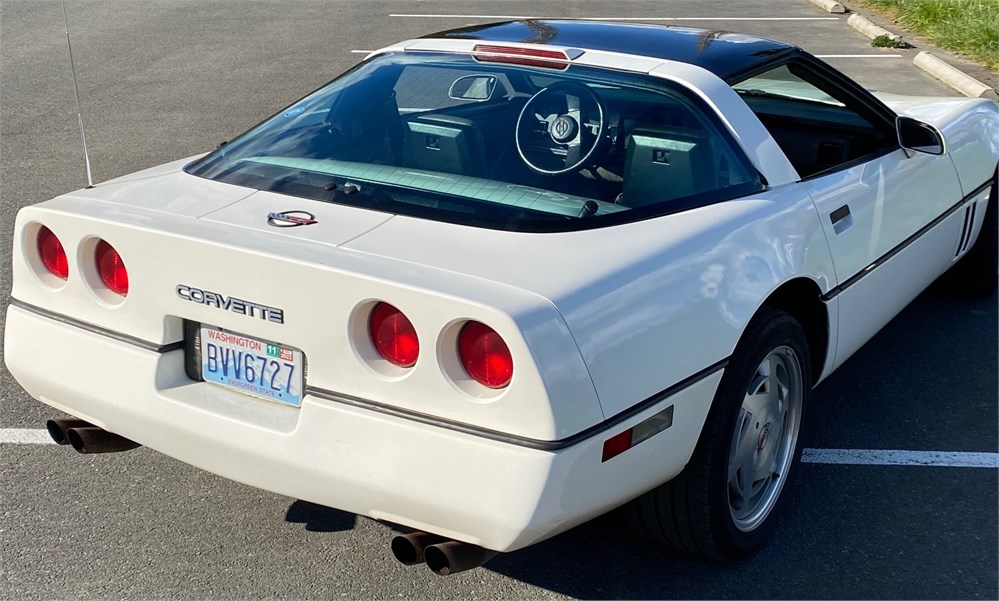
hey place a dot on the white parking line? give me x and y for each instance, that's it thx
(834, 456)
(24, 436)
(361, 51)
(921, 458)
(516, 17)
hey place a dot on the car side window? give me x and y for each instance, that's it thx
(817, 128)
(666, 149)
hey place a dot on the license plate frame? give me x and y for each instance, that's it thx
(222, 356)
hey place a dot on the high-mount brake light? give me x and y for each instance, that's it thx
(485, 355)
(111, 268)
(52, 253)
(513, 55)
(393, 335)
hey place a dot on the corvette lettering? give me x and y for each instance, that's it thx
(230, 303)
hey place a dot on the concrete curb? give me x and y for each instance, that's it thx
(829, 6)
(869, 29)
(952, 76)
(955, 78)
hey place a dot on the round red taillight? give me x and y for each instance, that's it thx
(52, 253)
(393, 335)
(484, 355)
(111, 268)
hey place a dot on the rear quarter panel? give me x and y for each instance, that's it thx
(648, 303)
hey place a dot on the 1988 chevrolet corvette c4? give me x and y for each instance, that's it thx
(496, 281)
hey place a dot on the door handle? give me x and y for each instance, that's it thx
(841, 219)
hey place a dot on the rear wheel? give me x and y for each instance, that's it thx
(726, 501)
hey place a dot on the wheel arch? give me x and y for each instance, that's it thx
(801, 297)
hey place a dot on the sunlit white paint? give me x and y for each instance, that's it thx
(890, 198)
(220, 252)
(494, 494)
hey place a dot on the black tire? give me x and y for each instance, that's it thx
(976, 273)
(694, 512)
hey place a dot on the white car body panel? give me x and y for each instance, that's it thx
(864, 308)
(889, 198)
(628, 290)
(970, 128)
(320, 325)
(385, 467)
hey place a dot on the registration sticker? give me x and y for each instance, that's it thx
(252, 366)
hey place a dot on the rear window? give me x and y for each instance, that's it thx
(444, 137)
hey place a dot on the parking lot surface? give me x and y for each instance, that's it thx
(162, 80)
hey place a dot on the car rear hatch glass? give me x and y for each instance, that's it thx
(501, 145)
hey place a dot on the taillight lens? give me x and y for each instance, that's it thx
(484, 355)
(111, 268)
(393, 335)
(52, 253)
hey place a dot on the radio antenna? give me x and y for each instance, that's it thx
(76, 92)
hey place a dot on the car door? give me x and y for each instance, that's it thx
(880, 205)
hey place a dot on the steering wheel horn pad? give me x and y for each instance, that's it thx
(564, 129)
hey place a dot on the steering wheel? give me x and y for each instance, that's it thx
(560, 128)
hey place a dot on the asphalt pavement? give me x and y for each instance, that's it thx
(164, 79)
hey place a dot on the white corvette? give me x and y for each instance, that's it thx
(497, 281)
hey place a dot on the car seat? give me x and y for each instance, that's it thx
(663, 163)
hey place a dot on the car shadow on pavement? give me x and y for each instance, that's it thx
(318, 518)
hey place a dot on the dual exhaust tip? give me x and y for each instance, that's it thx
(442, 556)
(87, 438)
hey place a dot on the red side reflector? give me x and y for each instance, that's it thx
(616, 445)
(393, 335)
(111, 268)
(52, 253)
(532, 57)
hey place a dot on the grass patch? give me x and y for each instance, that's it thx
(970, 27)
(886, 41)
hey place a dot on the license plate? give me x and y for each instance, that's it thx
(252, 366)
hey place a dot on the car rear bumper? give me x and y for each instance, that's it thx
(499, 495)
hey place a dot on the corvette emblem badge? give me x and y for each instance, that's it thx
(564, 129)
(290, 218)
(762, 442)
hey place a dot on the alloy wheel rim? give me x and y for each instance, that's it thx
(764, 438)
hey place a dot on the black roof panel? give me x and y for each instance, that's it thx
(722, 53)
